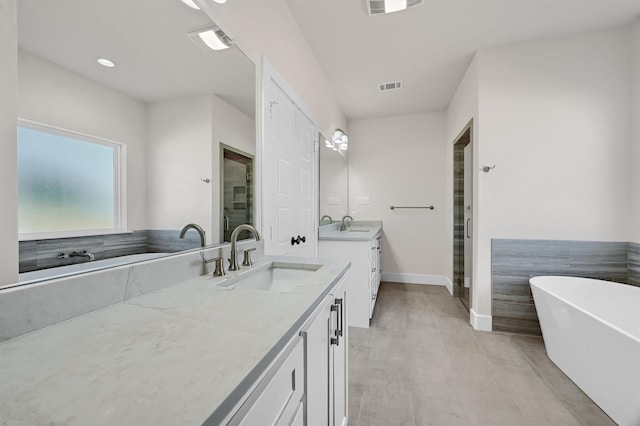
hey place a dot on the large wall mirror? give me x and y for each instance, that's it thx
(168, 101)
(334, 183)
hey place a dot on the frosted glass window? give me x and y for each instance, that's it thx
(66, 183)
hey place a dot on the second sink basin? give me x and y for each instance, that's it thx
(275, 276)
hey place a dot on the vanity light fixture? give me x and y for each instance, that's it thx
(339, 141)
(106, 62)
(211, 38)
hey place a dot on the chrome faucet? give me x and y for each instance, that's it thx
(197, 228)
(327, 216)
(233, 261)
(83, 253)
(343, 227)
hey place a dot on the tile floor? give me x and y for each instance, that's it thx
(421, 363)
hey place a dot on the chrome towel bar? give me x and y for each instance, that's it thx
(415, 207)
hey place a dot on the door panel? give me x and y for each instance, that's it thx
(290, 176)
(316, 339)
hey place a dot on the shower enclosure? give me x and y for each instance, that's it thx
(462, 215)
(237, 191)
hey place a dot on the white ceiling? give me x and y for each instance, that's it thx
(146, 38)
(430, 46)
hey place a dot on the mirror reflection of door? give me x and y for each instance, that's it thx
(237, 192)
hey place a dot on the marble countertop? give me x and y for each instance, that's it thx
(173, 356)
(356, 231)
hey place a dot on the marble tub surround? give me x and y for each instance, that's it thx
(513, 262)
(357, 230)
(31, 307)
(183, 354)
(42, 254)
(169, 241)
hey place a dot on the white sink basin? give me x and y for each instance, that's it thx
(275, 276)
(358, 230)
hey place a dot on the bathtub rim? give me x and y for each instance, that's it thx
(573, 305)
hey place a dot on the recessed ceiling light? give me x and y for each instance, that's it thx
(106, 62)
(211, 38)
(220, 1)
(191, 4)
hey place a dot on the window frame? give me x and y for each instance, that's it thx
(119, 182)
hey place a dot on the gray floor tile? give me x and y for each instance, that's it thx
(421, 363)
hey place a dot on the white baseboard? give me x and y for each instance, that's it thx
(397, 277)
(480, 322)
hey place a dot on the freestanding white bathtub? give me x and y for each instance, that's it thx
(63, 271)
(591, 331)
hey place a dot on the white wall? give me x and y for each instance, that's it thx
(555, 119)
(8, 146)
(179, 156)
(401, 161)
(51, 95)
(635, 119)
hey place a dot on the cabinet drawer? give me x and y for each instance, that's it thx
(278, 401)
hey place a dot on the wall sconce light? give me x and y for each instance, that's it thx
(339, 141)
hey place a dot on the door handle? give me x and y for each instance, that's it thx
(335, 340)
(339, 331)
(226, 223)
(298, 240)
(468, 236)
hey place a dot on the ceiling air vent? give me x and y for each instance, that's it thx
(391, 86)
(378, 7)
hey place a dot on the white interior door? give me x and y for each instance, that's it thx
(289, 165)
(304, 194)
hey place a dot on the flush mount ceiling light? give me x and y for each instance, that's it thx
(106, 62)
(193, 5)
(211, 38)
(379, 7)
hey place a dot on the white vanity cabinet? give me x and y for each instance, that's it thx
(278, 399)
(375, 262)
(307, 384)
(363, 281)
(325, 336)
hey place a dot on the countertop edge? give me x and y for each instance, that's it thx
(351, 236)
(225, 410)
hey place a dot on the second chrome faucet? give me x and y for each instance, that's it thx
(233, 260)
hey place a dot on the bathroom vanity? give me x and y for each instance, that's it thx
(360, 243)
(227, 350)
